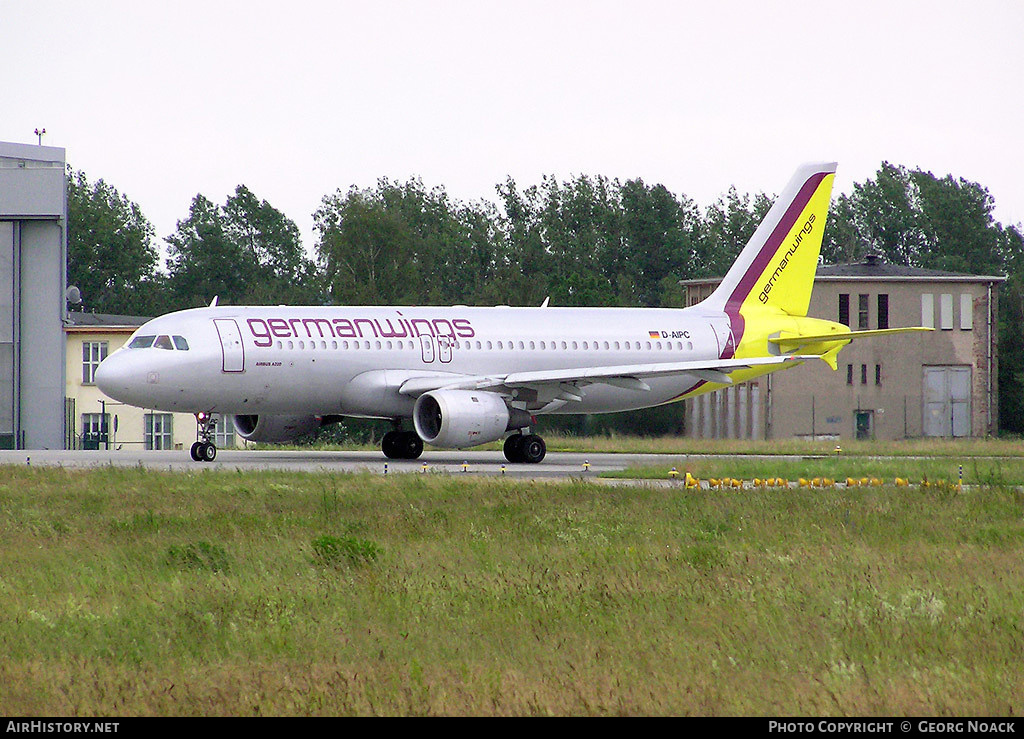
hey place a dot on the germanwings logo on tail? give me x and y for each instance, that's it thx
(808, 227)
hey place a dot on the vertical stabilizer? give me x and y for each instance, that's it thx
(776, 268)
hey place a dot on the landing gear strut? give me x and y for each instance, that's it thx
(528, 448)
(204, 449)
(401, 445)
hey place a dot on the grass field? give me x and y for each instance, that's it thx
(986, 471)
(616, 443)
(133, 592)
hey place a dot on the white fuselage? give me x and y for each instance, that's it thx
(353, 360)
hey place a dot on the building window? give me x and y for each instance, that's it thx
(946, 312)
(862, 312)
(928, 310)
(224, 432)
(95, 428)
(883, 310)
(93, 352)
(158, 431)
(863, 374)
(966, 312)
(844, 309)
(878, 374)
(849, 374)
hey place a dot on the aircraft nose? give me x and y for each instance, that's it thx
(114, 378)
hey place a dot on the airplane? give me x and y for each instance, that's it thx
(467, 376)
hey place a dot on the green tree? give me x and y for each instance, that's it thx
(916, 219)
(365, 251)
(724, 230)
(111, 255)
(1011, 338)
(244, 252)
(283, 272)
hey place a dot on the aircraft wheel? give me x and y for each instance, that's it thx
(194, 451)
(411, 445)
(533, 449)
(390, 445)
(514, 448)
(208, 452)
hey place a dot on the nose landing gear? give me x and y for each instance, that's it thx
(204, 450)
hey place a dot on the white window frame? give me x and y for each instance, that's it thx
(95, 423)
(158, 431)
(93, 352)
(224, 432)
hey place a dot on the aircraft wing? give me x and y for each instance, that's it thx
(626, 375)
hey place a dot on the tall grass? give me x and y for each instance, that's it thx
(127, 592)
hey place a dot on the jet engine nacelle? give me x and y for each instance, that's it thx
(454, 419)
(275, 429)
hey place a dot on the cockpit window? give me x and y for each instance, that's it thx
(159, 342)
(142, 342)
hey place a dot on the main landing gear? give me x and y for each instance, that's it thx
(402, 445)
(528, 448)
(204, 449)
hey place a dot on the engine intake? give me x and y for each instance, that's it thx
(454, 419)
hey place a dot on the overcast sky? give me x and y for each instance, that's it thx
(298, 99)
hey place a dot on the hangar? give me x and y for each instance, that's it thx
(33, 248)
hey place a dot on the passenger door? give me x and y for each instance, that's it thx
(232, 351)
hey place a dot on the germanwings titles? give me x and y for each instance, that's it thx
(467, 376)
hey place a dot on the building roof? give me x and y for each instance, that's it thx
(94, 321)
(874, 267)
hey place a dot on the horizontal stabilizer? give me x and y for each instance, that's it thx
(794, 340)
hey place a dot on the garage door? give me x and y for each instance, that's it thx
(947, 401)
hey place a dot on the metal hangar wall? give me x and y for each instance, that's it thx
(33, 265)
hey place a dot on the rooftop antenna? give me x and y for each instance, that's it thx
(39, 133)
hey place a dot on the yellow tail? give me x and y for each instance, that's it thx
(776, 268)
